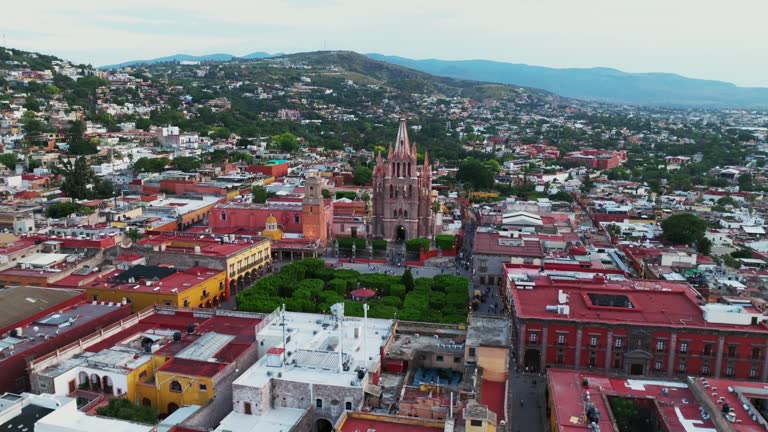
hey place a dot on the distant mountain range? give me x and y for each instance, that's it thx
(602, 84)
(599, 84)
(187, 57)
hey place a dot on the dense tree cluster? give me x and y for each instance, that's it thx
(310, 286)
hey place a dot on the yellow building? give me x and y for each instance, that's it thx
(163, 358)
(243, 259)
(143, 286)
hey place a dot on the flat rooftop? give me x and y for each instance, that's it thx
(209, 245)
(674, 401)
(488, 331)
(29, 301)
(528, 245)
(56, 325)
(273, 420)
(26, 419)
(314, 344)
(355, 422)
(718, 392)
(639, 302)
(217, 340)
(162, 280)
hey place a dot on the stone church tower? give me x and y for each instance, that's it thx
(402, 193)
(315, 212)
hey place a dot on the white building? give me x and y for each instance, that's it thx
(309, 363)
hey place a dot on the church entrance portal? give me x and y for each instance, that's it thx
(400, 234)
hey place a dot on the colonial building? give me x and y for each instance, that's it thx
(635, 327)
(402, 205)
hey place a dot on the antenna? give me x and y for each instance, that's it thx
(365, 335)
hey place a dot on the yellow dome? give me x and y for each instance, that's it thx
(271, 219)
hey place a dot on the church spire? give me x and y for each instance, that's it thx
(402, 146)
(426, 161)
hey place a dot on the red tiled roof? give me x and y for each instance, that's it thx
(493, 395)
(192, 367)
(568, 394)
(359, 424)
(655, 302)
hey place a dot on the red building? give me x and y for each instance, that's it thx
(598, 159)
(276, 169)
(305, 215)
(635, 327)
(38, 321)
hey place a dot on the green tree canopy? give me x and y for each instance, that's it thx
(66, 208)
(150, 165)
(476, 174)
(9, 160)
(122, 408)
(259, 194)
(285, 142)
(186, 163)
(362, 175)
(683, 228)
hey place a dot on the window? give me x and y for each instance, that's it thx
(732, 350)
(319, 403)
(753, 373)
(593, 341)
(142, 374)
(476, 422)
(729, 371)
(660, 346)
(681, 367)
(659, 365)
(471, 352)
(684, 347)
(457, 359)
(592, 359)
(439, 358)
(175, 386)
(705, 370)
(756, 353)
(707, 348)
(561, 339)
(619, 343)
(348, 406)
(203, 387)
(247, 408)
(532, 337)
(223, 216)
(296, 218)
(560, 358)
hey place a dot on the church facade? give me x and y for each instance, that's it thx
(402, 193)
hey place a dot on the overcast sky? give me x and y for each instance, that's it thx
(724, 40)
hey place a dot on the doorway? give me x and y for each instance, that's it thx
(323, 425)
(400, 234)
(636, 369)
(532, 360)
